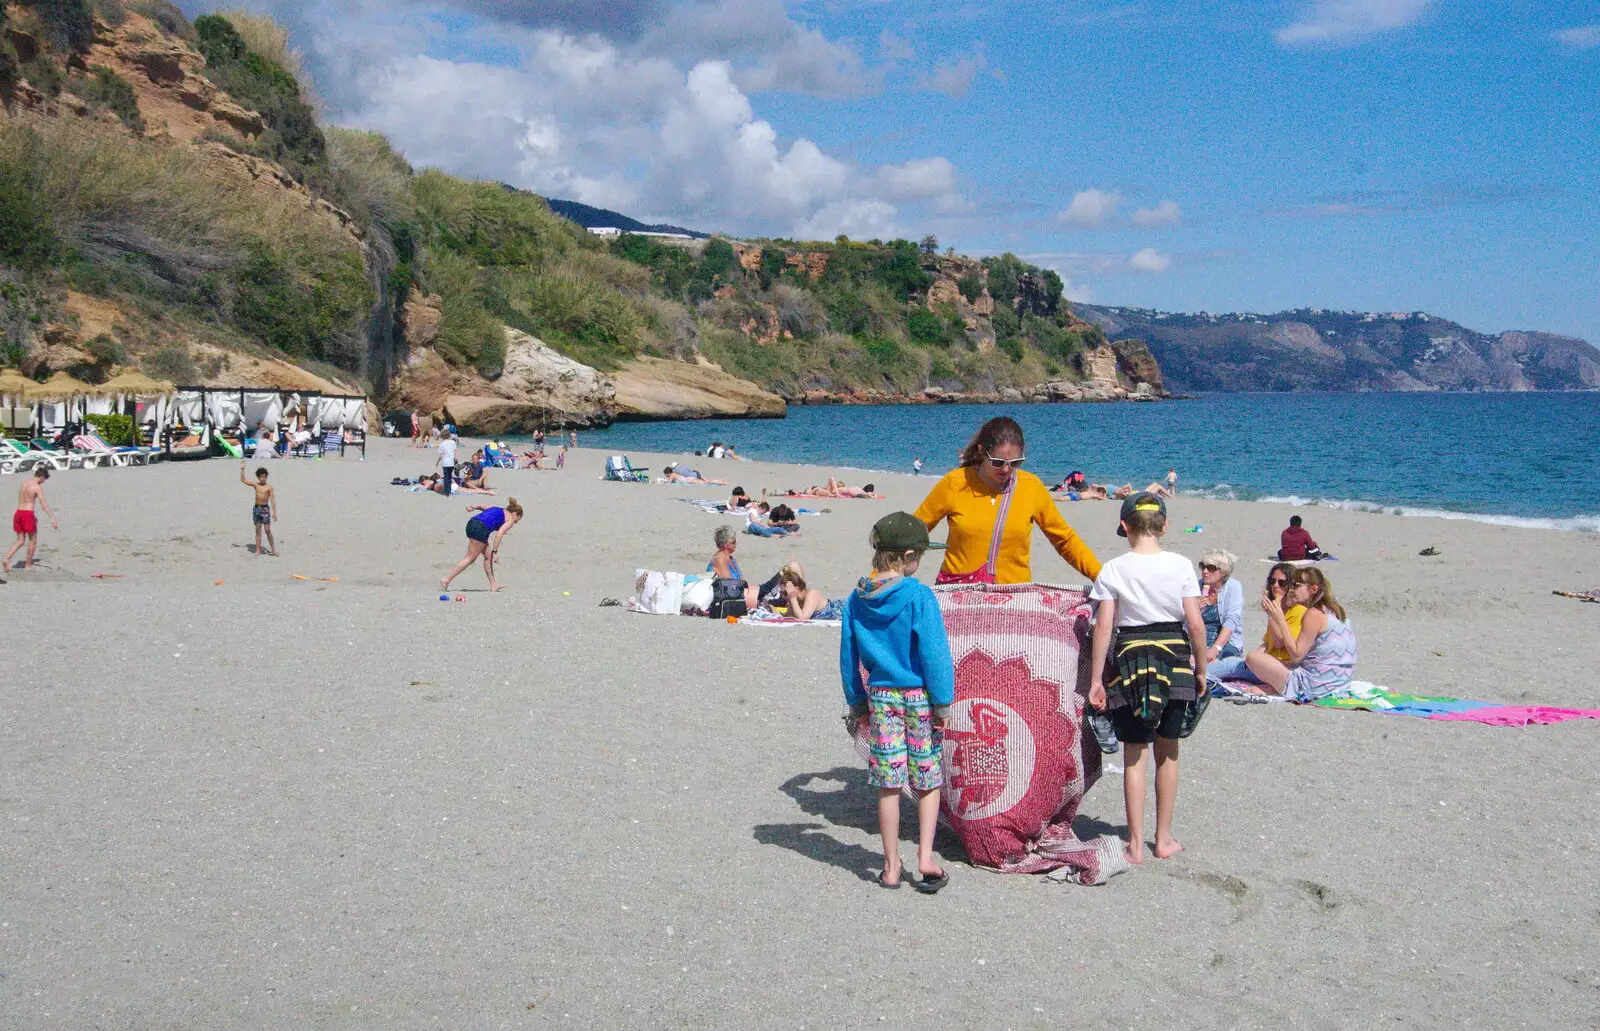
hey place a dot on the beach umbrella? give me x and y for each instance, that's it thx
(59, 387)
(136, 384)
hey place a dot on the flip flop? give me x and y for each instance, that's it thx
(931, 885)
(885, 884)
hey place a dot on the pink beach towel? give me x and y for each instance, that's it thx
(1518, 715)
(1016, 764)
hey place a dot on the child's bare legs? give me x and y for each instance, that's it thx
(1133, 776)
(258, 540)
(1166, 796)
(272, 545)
(889, 829)
(22, 539)
(927, 824)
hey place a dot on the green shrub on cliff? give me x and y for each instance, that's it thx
(264, 86)
(107, 90)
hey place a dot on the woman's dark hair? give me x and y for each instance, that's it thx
(869, 488)
(783, 513)
(739, 492)
(999, 430)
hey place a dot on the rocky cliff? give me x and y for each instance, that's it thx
(1313, 349)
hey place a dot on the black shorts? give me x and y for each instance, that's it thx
(478, 530)
(1133, 731)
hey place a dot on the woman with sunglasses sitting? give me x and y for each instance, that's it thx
(1322, 651)
(1221, 606)
(992, 507)
(1274, 596)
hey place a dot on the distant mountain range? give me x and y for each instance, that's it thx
(1316, 349)
(596, 218)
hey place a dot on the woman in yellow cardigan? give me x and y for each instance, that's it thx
(988, 488)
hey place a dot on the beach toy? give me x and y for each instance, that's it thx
(442, 597)
(566, 594)
(217, 584)
(461, 597)
(1195, 529)
(733, 619)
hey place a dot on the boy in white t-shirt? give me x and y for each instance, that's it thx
(1157, 692)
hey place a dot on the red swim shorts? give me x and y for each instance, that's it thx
(24, 521)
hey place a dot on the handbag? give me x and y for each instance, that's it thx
(659, 594)
(727, 598)
(984, 574)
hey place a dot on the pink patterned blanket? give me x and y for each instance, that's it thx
(1015, 761)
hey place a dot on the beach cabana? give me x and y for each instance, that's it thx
(262, 408)
(14, 404)
(55, 398)
(143, 399)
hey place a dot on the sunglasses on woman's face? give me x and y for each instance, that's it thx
(1005, 463)
(1278, 581)
(1206, 567)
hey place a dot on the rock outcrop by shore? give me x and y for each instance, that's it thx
(654, 388)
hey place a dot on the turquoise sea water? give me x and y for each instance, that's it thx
(1521, 459)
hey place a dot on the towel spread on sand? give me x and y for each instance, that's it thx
(766, 617)
(1589, 595)
(1016, 765)
(1372, 698)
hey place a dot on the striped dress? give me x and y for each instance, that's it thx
(1328, 666)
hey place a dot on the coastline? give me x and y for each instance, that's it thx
(270, 799)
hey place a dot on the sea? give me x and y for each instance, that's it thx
(1516, 459)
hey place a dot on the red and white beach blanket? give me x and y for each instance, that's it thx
(1015, 761)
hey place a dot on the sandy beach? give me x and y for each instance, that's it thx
(275, 803)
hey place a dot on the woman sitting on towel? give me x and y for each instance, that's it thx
(992, 507)
(1276, 592)
(1221, 605)
(725, 567)
(1322, 654)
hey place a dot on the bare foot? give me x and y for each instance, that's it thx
(1167, 849)
(444, 585)
(1135, 853)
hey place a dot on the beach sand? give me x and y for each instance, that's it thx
(275, 803)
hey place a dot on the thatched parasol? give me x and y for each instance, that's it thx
(136, 384)
(14, 386)
(59, 387)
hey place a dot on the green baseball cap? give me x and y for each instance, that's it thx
(899, 531)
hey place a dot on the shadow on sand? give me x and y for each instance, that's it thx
(841, 797)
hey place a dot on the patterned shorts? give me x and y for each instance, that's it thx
(905, 744)
(262, 514)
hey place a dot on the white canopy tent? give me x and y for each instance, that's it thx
(263, 408)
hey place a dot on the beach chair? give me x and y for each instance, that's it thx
(56, 455)
(136, 455)
(97, 451)
(499, 459)
(619, 469)
(17, 457)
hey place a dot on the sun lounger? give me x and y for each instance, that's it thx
(97, 452)
(136, 455)
(44, 447)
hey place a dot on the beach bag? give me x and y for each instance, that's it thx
(1016, 763)
(727, 598)
(984, 574)
(697, 596)
(659, 594)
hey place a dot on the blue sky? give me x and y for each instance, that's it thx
(1365, 154)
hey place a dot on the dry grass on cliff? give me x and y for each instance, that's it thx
(371, 177)
(266, 38)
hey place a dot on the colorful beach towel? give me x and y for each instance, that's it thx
(1590, 595)
(766, 617)
(1372, 698)
(1015, 762)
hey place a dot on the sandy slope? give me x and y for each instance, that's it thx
(275, 803)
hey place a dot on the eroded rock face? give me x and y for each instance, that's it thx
(1139, 366)
(653, 388)
(420, 317)
(565, 391)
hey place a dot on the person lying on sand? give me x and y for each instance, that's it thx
(835, 488)
(681, 474)
(806, 602)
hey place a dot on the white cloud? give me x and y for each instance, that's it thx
(1150, 261)
(894, 48)
(646, 106)
(953, 76)
(1090, 208)
(1579, 37)
(1347, 21)
(1078, 293)
(1167, 213)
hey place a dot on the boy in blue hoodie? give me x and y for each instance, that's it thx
(893, 629)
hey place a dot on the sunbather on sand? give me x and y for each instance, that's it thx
(681, 474)
(803, 601)
(835, 488)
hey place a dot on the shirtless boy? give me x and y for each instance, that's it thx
(25, 522)
(265, 511)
